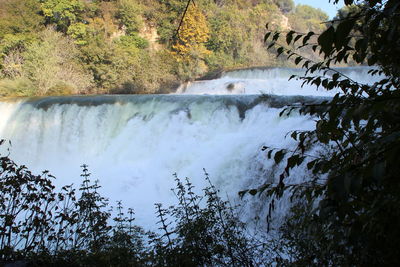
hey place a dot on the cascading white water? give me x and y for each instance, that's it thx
(133, 144)
(269, 81)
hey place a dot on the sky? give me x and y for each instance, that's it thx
(327, 7)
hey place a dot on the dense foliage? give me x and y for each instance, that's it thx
(44, 226)
(347, 213)
(55, 47)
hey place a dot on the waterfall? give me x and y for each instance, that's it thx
(134, 144)
(270, 81)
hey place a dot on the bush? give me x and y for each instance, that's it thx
(57, 56)
(16, 87)
(202, 234)
(45, 227)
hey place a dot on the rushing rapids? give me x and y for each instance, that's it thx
(134, 144)
(269, 81)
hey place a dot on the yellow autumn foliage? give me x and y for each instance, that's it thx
(192, 36)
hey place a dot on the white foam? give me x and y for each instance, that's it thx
(134, 148)
(269, 81)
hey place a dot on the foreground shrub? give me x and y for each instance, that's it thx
(205, 231)
(45, 227)
(41, 226)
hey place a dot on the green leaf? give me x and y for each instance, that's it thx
(326, 39)
(297, 38)
(279, 156)
(279, 51)
(297, 60)
(307, 37)
(292, 161)
(289, 37)
(267, 36)
(335, 76)
(342, 32)
(317, 81)
(253, 192)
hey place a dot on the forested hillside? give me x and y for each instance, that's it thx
(56, 47)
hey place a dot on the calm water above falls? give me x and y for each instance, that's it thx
(133, 144)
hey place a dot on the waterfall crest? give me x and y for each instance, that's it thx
(133, 144)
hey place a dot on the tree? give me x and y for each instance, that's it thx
(63, 13)
(349, 211)
(189, 49)
(59, 72)
(128, 14)
(19, 21)
(19, 16)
